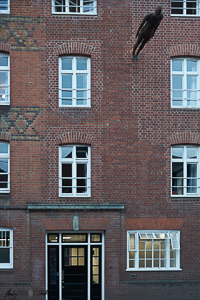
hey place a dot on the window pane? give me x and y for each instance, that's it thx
(191, 153)
(67, 97)
(70, 238)
(82, 81)
(191, 82)
(4, 255)
(3, 60)
(191, 7)
(3, 148)
(141, 264)
(177, 98)
(177, 7)
(53, 238)
(3, 79)
(66, 152)
(95, 237)
(3, 165)
(81, 64)
(177, 180)
(177, 82)
(81, 97)
(176, 65)
(67, 81)
(74, 6)
(81, 152)
(131, 264)
(67, 64)
(177, 153)
(67, 183)
(3, 181)
(88, 6)
(191, 66)
(66, 170)
(192, 182)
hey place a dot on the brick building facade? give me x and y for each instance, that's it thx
(99, 155)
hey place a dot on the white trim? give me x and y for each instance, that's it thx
(74, 72)
(74, 162)
(6, 11)
(8, 265)
(67, 12)
(6, 69)
(167, 250)
(6, 156)
(185, 162)
(185, 74)
(184, 8)
(88, 244)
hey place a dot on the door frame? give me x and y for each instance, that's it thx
(88, 244)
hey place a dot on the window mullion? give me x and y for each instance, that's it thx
(74, 81)
(185, 171)
(74, 175)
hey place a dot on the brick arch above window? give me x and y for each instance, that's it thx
(5, 136)
(75, 48)
(185, 138)
(5, 47)
(185, 50)
(75, 137)
(6, 223)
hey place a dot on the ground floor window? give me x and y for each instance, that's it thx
(153, 250)
(6, 248)
(75, 266)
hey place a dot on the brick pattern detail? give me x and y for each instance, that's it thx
(75, 48)
(184, 50)
(6, 223)
(4, 47)
(153, 224)
(5, 136)
(185, 138)
(75, 137)
(57, 224)
(94, 223)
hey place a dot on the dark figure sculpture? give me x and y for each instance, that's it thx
(146, 32)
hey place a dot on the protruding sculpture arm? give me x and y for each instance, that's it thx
(141, 25)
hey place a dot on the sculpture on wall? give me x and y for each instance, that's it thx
(146, 30)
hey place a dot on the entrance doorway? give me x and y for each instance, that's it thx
(75, 266)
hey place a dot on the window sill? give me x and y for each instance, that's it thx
(4, 12)
(152, 270)
(4, 103)
(76, 196)
(74, 14)
(4, 192)
(186, 16)
(184, 107)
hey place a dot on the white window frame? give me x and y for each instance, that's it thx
(7, 265)
(65, 8)
(74, 72)
(184, 14)
(6, 69)
(74, 161)
(170, 235)
(185, 161)
(8, 8)
(6, 156)
(184, 73)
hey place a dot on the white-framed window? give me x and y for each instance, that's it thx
(185, 171)
(74, 171)
(4, 167)
(4, 79)
(185, 82)
(185, 7)
(74, 81)
(4, 6)
(85, 7)
(6, 248)
(153, 250)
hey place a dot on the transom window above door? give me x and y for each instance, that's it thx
(185, 82)
(74, 82)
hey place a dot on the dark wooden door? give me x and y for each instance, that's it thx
(53, 273)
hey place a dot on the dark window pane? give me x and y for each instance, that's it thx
(74, 6)
(81, 170)
(81, 152)
(177, 7)
(67, 186)
(53, 238)
(4, 255)
(66, 170)
(3, 165)
(3, 181)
